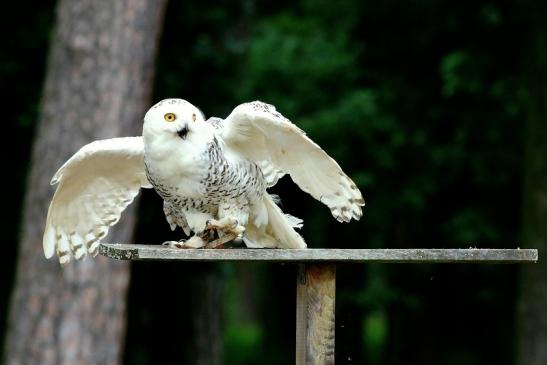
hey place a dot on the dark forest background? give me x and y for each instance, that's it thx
(424, 104)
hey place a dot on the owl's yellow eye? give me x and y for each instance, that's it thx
(169, 117)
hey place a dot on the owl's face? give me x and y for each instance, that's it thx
(175, 125)
(175, 116)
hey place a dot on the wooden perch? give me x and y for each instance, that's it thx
(411, 255)
(316, 280)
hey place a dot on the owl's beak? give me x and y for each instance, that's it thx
(183, 132)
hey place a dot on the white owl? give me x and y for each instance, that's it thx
(212, 174)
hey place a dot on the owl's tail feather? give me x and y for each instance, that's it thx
(279, 230)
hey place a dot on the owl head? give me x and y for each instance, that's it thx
(173, 122)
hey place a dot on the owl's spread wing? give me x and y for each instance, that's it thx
(260, 133)
(95, 185)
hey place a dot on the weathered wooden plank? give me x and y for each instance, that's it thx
(315, 304)
(471, 255)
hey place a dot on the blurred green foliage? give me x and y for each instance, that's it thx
(421, 103)
(242, 343)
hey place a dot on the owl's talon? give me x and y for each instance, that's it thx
(195, 242)
(225, 225)
(213, 224)
(173, 244)
(238, 230)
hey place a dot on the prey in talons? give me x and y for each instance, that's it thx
(215, 235)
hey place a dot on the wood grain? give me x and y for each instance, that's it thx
(315, 304)
(472, 255)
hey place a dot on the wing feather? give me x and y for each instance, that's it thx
(95, 186)
(263, 135)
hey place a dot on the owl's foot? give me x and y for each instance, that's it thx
(226, 225)
(173, 244)
(192, 242)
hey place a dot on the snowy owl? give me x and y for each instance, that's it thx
(212, 174)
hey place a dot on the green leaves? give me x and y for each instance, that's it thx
(460, 72)
(296, 65)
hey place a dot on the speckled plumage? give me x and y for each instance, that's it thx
(226, 185)
(205, 170)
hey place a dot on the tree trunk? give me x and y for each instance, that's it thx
(532, 305)
(98, 85)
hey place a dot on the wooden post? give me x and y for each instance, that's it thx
(315, 303)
